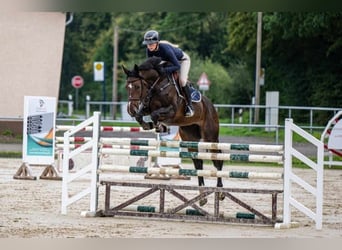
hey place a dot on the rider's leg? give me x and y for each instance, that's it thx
(183, 78)
(189, 111)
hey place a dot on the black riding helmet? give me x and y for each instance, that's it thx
(150, 37)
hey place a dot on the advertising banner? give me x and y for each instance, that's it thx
(39, 130)
(335, 137)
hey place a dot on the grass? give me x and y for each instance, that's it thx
(260, 132)
(10, 155)
(9, 137)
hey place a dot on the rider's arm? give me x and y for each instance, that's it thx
(169, 55)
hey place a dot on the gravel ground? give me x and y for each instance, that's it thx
(32, 209)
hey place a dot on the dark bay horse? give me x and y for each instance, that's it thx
(155, 94)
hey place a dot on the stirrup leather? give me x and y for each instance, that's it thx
(189, 111)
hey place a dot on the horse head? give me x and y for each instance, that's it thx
(136, 88)
(139, 83)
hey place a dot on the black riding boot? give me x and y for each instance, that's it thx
(189, 111)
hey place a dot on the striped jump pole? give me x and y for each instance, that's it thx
(190, 172)
(195, 145)
(74, 139)
(197, 155)
(186, 211)
(106, 128)
(107, 140)
(74, 146)
(78, 141)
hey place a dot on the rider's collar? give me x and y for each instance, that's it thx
(157, 47)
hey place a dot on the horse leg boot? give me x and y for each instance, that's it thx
(189, 111)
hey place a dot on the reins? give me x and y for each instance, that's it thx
(144, 106)
(137, 98)
(147, 99)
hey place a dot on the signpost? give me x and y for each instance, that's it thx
(203, 82)
(77, 82)
(99, 76)
(98, 71)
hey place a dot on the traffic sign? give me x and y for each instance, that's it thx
(77, 82)
(203, 82)
(98, 71)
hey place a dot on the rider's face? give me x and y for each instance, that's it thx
(152, 47)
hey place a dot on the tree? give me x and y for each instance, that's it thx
(301, 52)
(80, 38)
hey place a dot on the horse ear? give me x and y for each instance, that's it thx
(136, 68)
(125, 69)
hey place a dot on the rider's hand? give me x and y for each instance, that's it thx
(162, 71)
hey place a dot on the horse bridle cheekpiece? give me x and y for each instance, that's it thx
(144, 101)
(130, 86)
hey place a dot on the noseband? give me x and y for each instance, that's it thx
(144, 100)
(130, 86)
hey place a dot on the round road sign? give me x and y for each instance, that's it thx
(77, 82)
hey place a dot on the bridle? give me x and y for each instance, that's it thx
(130, 86)
(144, 100)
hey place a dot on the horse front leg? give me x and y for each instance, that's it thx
(163, 113)
(143, 124)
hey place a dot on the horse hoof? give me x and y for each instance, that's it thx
(161, 129)
(221, 196)
(71, 164)
(147, 126)
(203, 202)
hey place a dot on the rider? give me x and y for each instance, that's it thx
(174, 55)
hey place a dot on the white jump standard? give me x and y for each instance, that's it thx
(268, 154)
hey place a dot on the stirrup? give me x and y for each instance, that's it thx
(189, 112)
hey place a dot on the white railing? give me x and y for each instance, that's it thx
(68, 153)
(289, 176)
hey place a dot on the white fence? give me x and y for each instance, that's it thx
(289, 176)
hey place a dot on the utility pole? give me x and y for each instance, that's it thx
(257, 68)
(115, 68)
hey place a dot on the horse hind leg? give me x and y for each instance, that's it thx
(192, 133)
(211, 134)
(219, 165)
(198, 163)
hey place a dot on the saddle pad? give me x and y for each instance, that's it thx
(195, 95)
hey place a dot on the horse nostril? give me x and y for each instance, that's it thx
(129, 108)
(132, 109)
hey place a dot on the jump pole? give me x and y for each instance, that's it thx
(289, 176)
(189, 172)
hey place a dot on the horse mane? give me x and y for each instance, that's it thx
(153, 62)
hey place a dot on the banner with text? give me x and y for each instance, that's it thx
(39, 130)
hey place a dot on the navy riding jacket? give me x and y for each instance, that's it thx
(168, 53)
